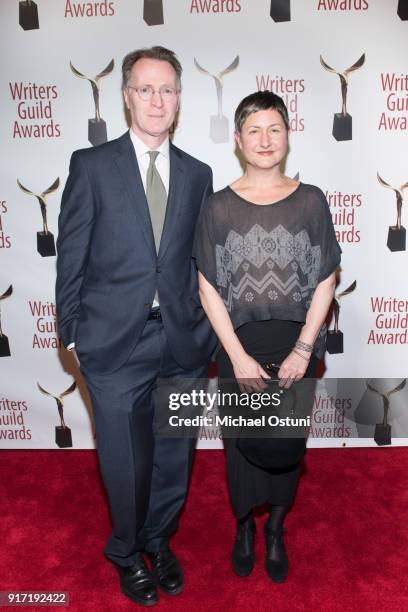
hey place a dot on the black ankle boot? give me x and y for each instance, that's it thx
(243, 557)
(276, 561)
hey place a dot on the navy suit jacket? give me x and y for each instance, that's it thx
(107, 267)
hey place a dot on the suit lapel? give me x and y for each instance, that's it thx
(129, 169)
(174, 200)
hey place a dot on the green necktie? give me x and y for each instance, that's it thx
(156, 198)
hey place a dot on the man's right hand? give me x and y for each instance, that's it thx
(73, 351)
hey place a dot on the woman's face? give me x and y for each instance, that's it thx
(263, 139)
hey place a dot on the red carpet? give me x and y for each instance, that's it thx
(347, 536)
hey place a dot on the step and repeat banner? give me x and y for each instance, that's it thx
(342, 68)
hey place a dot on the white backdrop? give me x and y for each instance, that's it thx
(36, 79)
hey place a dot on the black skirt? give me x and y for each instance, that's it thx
(250, 485)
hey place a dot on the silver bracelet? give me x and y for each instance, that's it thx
(303, 346)
(300, 355)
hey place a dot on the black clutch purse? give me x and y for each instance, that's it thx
(281, 444)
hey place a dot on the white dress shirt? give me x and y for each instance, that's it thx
(143, 160)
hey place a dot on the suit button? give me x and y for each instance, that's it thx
(147, 306)
(158, 269)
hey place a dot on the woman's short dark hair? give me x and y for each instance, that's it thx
(157, 53)
(260, 100)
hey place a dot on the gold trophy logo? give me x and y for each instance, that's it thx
(153, 12)
(402, 10)
(28, 15)
(280, 10)
(45, 239)
(97, 133)
(334, 342)
(4, 343)
(63, 437)
(219, 130)
(396, 233)
(382, 434)
(342, 122)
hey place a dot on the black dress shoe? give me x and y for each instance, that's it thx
(276, 561)
(167, 571)
(136, 582)
(243, 557)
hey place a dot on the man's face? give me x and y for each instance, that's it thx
(151, 119)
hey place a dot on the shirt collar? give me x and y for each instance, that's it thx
(141, 148)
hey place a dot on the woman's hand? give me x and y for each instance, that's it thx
(249, 374)
(293, 368)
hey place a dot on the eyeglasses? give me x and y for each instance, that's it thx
(145, 92)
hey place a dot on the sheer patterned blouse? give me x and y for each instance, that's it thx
(266, 260)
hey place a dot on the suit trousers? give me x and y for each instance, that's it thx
(146, 477)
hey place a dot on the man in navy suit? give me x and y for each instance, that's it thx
(128, 307)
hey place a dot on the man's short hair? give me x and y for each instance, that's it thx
(157, 53)
(260, 100)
